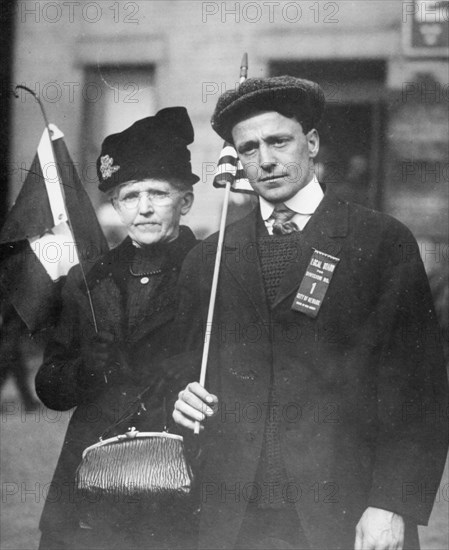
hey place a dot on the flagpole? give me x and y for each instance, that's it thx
(221, 234)
(50, 133)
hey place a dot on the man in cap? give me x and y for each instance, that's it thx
(100, 370)
(324, 352)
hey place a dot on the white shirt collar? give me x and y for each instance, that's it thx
(305, 201)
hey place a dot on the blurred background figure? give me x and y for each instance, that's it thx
(16, 350)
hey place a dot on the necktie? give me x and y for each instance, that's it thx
(282, 216)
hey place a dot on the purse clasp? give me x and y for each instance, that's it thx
(130, 434)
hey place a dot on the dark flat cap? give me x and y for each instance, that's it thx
(287, 95)
(154, 147)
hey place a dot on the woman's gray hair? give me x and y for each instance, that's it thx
(177, 184)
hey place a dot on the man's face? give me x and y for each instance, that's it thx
(151, 210)
(275, 153)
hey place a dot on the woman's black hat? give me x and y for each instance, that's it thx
(154, 147)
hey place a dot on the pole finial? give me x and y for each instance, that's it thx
(244, 68)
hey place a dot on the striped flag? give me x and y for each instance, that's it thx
(230, 169)
(51, 228)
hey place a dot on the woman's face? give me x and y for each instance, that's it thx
(151, 210)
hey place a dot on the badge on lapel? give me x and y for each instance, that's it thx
(316, 281)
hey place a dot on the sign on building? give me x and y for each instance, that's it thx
(425, 26)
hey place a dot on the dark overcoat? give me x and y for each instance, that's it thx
(362, 388)
(61, 383)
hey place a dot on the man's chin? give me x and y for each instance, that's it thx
(275, 194)
(279, 190)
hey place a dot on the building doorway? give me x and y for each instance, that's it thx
(351, 132)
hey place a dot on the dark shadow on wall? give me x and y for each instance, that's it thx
(7, 12)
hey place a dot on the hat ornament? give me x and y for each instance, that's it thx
(107, 168)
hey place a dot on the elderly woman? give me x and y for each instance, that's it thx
(147, 173)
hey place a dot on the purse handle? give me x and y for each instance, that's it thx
(135, 408)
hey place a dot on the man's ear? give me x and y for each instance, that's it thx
(313, 141)
(187, 201)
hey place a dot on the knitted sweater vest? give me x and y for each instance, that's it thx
(276, 253)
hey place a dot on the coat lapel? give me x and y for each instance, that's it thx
(106, 299)
(242, 261)
(325, 232)
(104, 293)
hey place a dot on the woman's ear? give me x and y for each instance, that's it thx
(187, 201)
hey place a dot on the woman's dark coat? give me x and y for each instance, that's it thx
(61, 382)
